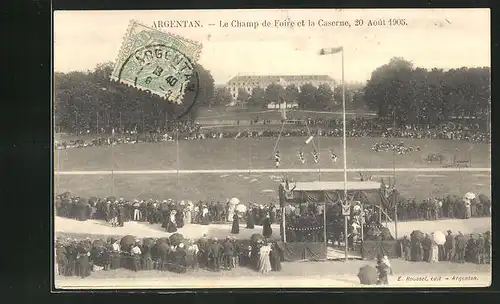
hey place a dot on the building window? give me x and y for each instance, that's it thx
(234, 95)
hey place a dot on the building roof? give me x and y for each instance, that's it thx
(278, 78)
(333, 186)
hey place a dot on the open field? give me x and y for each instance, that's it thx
(258, 153)
(235, 113)
(259, 188)
(228, 154)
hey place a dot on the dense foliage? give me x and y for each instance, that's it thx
(397, 91)
(416, 96)
(91, 101)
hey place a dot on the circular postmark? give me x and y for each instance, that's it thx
(164, 71)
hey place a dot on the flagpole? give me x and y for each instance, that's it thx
(345, 152)
(177, 157)
(113, 162)
(328, 51)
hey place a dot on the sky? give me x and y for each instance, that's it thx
(450, 38)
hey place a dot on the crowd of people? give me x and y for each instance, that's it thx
(175, 214)
(171, 214)
(82, 257)
(359, 127)
(460, 248)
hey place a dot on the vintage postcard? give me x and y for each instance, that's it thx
(272, 148)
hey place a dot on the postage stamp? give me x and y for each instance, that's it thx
(294, 135)
(156, 61)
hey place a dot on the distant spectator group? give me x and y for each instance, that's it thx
(358, 127)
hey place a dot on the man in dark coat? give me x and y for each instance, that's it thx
(480, 250)
(272, 214)
(121, 215)
(406, 248)
(426, 245)
(235, 229)
(250, 218)
(82, 262)
(266, 227)
(487, 247)
(71, 254)
(275, 257)
(460, 244)
(449, 245)
(227, 254)
(62, 259)
(203, 247)
(179, 259)
(214, 254)
(470, 249)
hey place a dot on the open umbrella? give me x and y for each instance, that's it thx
(176, 239)
(234, 201)
(368, 275)
(241, 208)
(439, 237)
(126, 242)
(256, 237)
(416, 235)
(162, 248)
(469, 196)
(148, 242)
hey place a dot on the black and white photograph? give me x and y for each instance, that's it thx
(290, 148)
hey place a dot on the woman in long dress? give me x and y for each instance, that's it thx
(171, 225)
(434, 252)
(266, 227)
(250, 219)
(187, 215)
(205, 216)
(264, 261)
(236, 224)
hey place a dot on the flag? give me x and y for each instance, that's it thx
(328, 51)
(309, 139)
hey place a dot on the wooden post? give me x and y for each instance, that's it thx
(325, 240)
(283, 221)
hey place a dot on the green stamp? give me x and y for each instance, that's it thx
(158, 62)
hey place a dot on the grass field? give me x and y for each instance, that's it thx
(256, 153)
(230, 113)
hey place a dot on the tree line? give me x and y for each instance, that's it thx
(411, 95)
(396, 91)
(90, 101)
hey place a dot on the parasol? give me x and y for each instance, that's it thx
(163, 240)
(148, 242)
(416, 235)
(439, 237)
(126, 242)
(162, 248)
(368, 275)
(469, 196)
(176, 239)
(256, 237)
(234, 201)
(241, 208)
